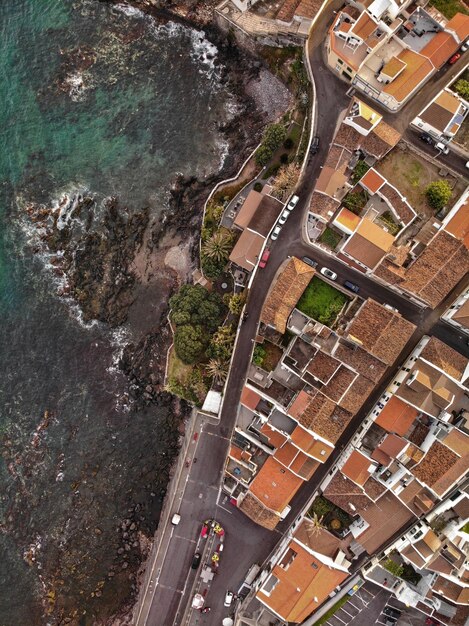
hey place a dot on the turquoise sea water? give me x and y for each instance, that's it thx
(103, 100)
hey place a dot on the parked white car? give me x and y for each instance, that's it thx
(325, 271)
(283, 218)
(442, 147)
(292, 204)
(175, 519)
(228, 598)
(276, 233)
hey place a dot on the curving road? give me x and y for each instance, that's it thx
(198, 493)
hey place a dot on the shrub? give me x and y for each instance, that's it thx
(284, 158)
(335, 524)
(194, 305)
(354, 201)
(273, 137)
(321, 506)
(263, 155)
(288, 143)
(236, 303)
(258, 186)
(438, 194)
(258, 355)
(393, 567)
(462, 87)
(360, 170)
(212, 268)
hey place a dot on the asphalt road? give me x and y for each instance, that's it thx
(246, 542)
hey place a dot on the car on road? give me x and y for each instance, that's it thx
(276, 233)
(283, 218)
(325, 271)
(351, 286)
(196, 560)
(264, 258)
(455, 58)
(309, 261)
(442, 147)
(426, 138)
(175, 519)
(293, 202)
(465, 46)
(391, 612)
(228, 598)
(314, 145)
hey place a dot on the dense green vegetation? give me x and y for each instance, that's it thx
(438, 194)
(449, 8)
(355, 201)
(274, 136)
(321, 301)
(330, 238)
(360, 170)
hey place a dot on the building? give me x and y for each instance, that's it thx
(389, 53)
(443, 116)
(256, 219)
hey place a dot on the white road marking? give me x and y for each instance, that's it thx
(343, 609)
(341, 620)
(352, 604)
(185, 539)
(171, 588)
(225, 509)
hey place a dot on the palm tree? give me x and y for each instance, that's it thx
(317, 524)
(218, 370)
(218, 247)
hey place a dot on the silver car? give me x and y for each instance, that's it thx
(276, 233)
(325, 271)
(283, 218)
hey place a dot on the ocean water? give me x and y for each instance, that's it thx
(98, 99)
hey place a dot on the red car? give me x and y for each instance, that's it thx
(455, 58)
(264, 258)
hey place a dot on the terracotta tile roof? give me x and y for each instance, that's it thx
(275, 438)
(457, 441)
(372, 181)
(364, 250)
(357, 468)
(460, 25)
(348, 137)
(392, 445)
(286, 453)
(330, 181)
(438, 269)
(462, 315)
(437, 116)
(343, 492)
(255, 510)
(274, 485)
(316, 448)
(235, 452)
(412, 555)
(299, 404)
(322, 366)
(418, 68)
(375, 145)
(248, 209)
(317, 413)
(380, 331)
(445, 358)
(287, 289)
(458, 225)
(440, 48)
(397, 416)
(439, 564)
(338, 158)
(308, 8)
(287, 11)
(389, 272)
(361, 361)
(357, 394)
(401, 207)
(247, 250)
(437, 462)
(386, 517)
(319, 540)
(302, 587)
(250, 398)
(451, 590)
(323, 205)
(364, 26)
(461, 508)
(339, 383)
(374, 489)
(265, 216)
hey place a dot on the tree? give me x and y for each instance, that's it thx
(462, 87)
(218, 370)
(212, 269)
(259, 355)
(438, 194)
(316, 524)
(195, 305)
(236, 303)
(189, 343)
(221, 344)
(285, 181)
(274, 135)
(263, 155)
(218, 246)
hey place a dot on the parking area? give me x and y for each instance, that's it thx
(365, 607)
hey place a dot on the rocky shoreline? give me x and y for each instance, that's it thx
(111, 260)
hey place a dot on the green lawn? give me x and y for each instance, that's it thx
(321, 301)
(465, 528)
(332, 610)
(449, 8)
(330, 238)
